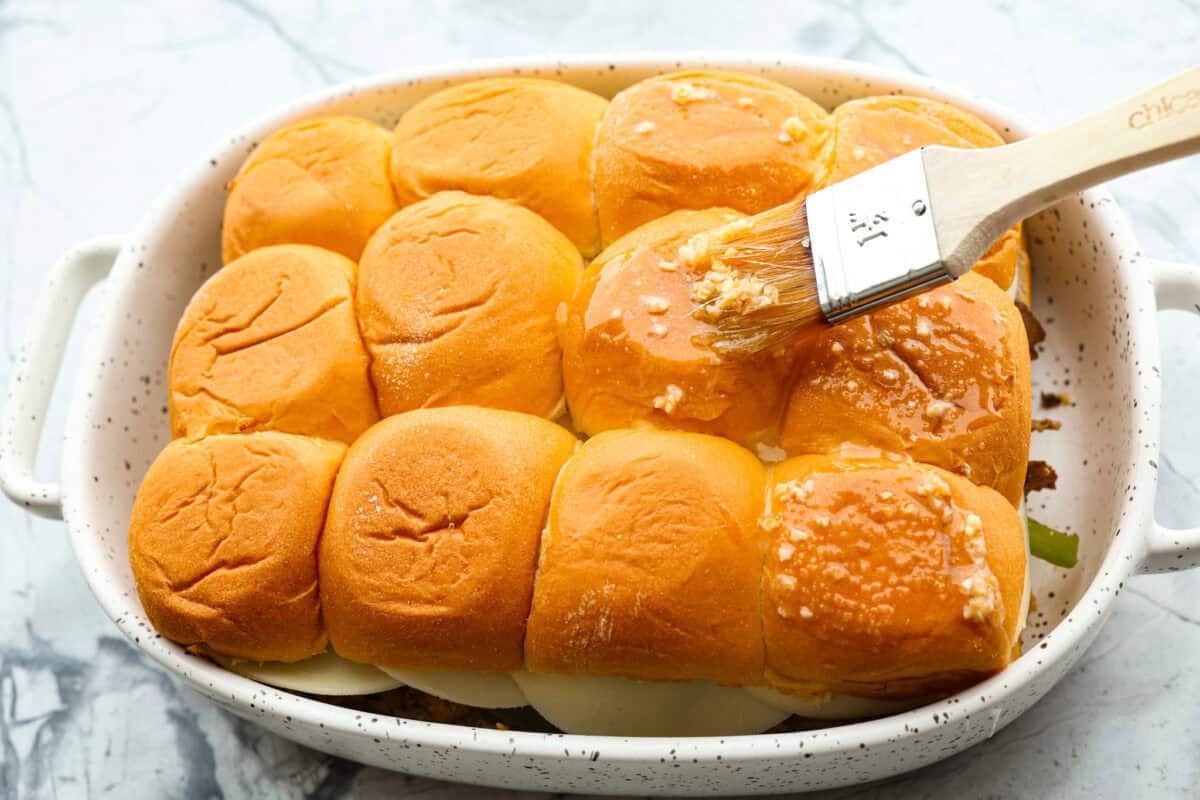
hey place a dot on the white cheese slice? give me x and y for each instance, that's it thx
(601, 706)
(838, 706)
(478, 689)
(327, 674)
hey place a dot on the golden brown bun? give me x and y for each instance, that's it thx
(703, 139)
(943, 377)
(887, 579)
(322, 182)
(223, 543)
(650, 562)
(619, 368)
(872, 130)
(458, 298)
(429, 553)
(520, 139)
(270, 343)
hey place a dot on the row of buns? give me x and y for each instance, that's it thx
(595, 169)
(472, 539)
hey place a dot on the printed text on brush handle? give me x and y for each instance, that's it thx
(978, 194)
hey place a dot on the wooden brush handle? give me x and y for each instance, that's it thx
(978, 194)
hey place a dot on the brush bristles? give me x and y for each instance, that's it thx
(774, 248)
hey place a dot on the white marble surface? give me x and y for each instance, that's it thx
(101, 104)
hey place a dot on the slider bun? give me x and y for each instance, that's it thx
(325, 674)
(887, 579)
(943, 377)
(270, 343)
(223, 540)
(322, 182)
(703, 139)
(872, 130)
(621, 356)
(599, 706)
(650, 562)
(458, 297)
(519, 139)
(429, 552)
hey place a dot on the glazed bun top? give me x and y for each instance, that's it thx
(704, 139)
(887, 578)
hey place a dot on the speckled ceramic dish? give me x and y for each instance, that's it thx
(1092, 287)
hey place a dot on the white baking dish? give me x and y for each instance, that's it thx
(1092, 287)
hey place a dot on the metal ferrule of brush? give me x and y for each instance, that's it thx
(873, 240)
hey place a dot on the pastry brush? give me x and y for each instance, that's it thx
(918, 220)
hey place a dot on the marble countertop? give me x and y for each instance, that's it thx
(102, 103)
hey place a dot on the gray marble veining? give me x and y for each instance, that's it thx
(102, 103)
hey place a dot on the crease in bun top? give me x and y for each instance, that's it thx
(323, 182)
(223, 542)
(633, 352)
(520, 139)
(429, 552)
(887, 579)
(943, 377)
(458, 301)
(702, 139)
(270, 342)
(871, 130)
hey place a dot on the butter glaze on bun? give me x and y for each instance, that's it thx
(872, 130)
(631, 355)
(943, 377)
(519, 139)
(223, 543)
(428, 556)
(650, 562)
(887, 579)
(270, 342)
(704, 139)
(458, 300)
(322, 182)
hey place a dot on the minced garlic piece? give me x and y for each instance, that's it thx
(745, 102)
(793, 129)
(684, 93)
(982, 600)
(806, 612)
(798, 534)
(655, 304)
(642, 128)
(667, 266)
(616, 313)
(669, 400)
(793, 491)
(837, 348)
(836, 571)
(769, 523)
(657, 330)
(787, 581)
(924, 329)
(786, 551)
(695, 252)
(723, 293)
(944, 303)
(938, 409)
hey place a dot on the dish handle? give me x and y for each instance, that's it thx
(35, 372)
(1176, 287)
